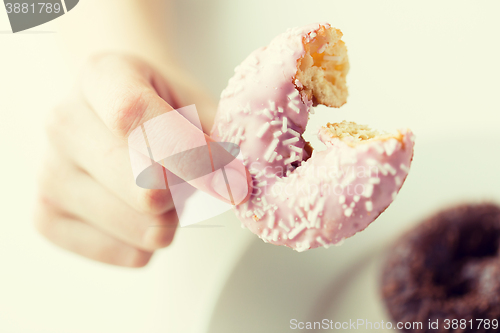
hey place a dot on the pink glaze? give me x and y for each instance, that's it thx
(329, 197)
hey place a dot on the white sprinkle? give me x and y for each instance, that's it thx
(301, 227)
(264, 235)
(294, 108)
(249, 213)
(313, 214)
(292, 220)
(277, 134)
(312, 35)
(352, 204)
(270, 221)
(299, 212)
(276, 234)
(285, 124)
(348, 212)
(239, 134)
(273, 156)
(323, 48)
(279, 158)
(374, 180)
(259, 213)
(394, 195)
(275, 122)
(340, 242)
(389, 167)
(306, 206)
(292, 158)
(322, 242)
(290, 141)
(267, 114)
(390, 146)
(284, 226)
(342, 199)
(293, 132)
(356, 198)
(262, 184)
(280, 109)
(379, 149)
(272, 105)
(247, 108)
(270, 149)
(263, 129)
(293, 94)
(301, 247)
(369, 206)
(340, 226)
(404, 168)
(295, 148)
(368, 191)
(264, 202)
(397, 180)
(331, 58)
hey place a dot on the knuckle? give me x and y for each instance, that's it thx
(154, 202)
(160, 237)
(127, 109)
(138, 259)
(127, 101)
(162, 232)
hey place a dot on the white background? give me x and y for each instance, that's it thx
(432, 66)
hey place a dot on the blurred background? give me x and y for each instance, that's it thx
(431, 66)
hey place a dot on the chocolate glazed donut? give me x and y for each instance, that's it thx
(447, 268)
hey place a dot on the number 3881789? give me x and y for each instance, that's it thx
(38, 8)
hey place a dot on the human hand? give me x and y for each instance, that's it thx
(88, 201)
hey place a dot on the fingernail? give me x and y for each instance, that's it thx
(238, 184)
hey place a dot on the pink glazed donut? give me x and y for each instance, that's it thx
(302, 198)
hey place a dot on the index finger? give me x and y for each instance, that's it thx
(122, 92)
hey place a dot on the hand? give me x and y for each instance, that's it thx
(89, 202)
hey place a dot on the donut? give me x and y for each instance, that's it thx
(304, 198)
(448, 267)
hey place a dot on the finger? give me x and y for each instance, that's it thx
(79, 134)
(83, 239)
(80, 195)
(120, 92)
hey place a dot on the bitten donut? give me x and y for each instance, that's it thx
(448, 267)
(303, 198)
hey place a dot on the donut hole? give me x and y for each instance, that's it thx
(323, 69)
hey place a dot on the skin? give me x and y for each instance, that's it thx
(88, 202)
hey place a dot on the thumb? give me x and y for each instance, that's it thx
(173, 143)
